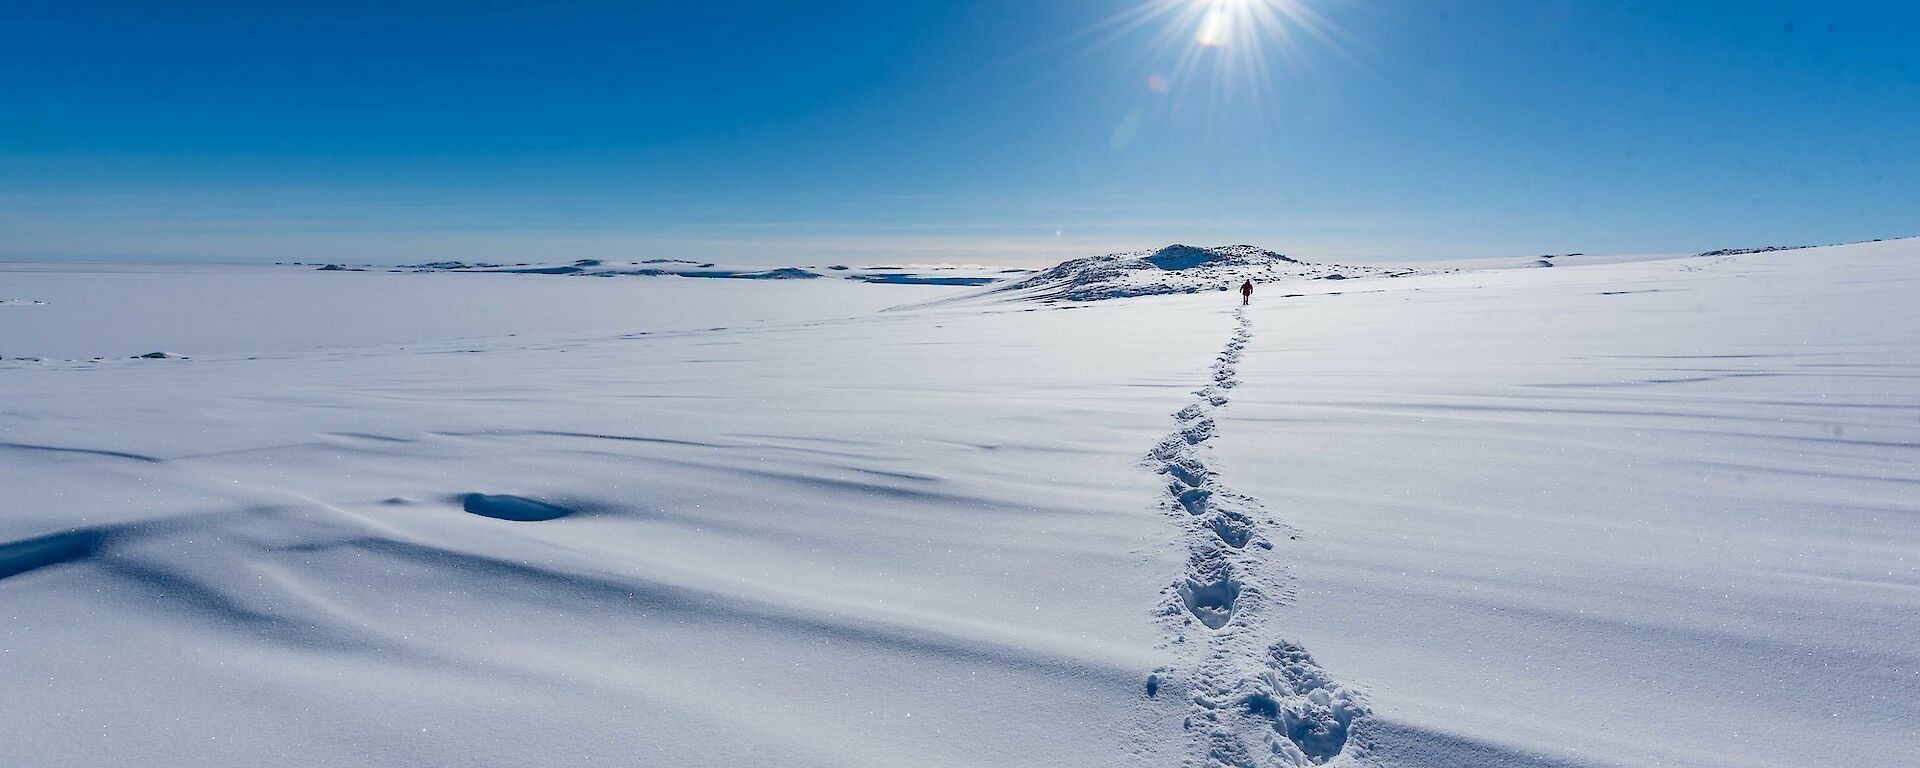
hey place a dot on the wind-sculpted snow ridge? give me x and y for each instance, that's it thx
(1253, 699)
(1173, 269)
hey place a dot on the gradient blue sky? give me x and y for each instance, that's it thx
(776, 132)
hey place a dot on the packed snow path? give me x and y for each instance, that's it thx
(1254, 699)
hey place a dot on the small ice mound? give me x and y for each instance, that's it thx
(515, 508)
(1212, 603)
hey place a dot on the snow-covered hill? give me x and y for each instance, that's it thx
(1173, 269)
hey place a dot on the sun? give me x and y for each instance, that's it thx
(1215, 28)
(1219, 19)
(1237, 40)
(1216, 59)
(1242, 23)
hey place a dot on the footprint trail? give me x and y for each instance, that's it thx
(1253, 699)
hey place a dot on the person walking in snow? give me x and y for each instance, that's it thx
(1246, 291)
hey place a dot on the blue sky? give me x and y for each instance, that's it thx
(988, 131)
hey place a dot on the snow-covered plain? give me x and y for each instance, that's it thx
(1643, 513)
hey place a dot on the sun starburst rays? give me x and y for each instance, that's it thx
(1231, 45)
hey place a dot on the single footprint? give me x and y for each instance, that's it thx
(1211, 603)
